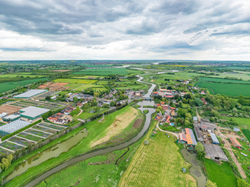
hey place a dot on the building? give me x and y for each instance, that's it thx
(236, 129)
(204, 101)
(203, 93)
(235, 142)
(13, 126)
(11, 117)
(188, 137)
(214, 138)
(183, 138)
(214, 152)
(198, 133)
(32, 112)
(30, 93)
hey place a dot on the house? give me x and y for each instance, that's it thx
(155, 94)
(203, 93)
(183, 93)
(158, 105)
(163, 90)
(235, 142)
(162, 103)
(173, 113)
(204, 101)
(165, 107)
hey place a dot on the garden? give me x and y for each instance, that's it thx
(38, 133)
(29, 137)
(10, 145)
(19, 141)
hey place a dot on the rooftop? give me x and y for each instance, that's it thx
(213, 151)
(32, 111)
(30, 93)
(190, 136)
(14, 126)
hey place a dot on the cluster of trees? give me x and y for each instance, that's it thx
(6, 162)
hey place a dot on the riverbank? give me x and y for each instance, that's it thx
(95, 129)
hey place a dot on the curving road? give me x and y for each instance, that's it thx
(103, 151)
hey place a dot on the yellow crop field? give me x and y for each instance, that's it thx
(77, 81)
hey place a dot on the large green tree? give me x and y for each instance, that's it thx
(200, 150)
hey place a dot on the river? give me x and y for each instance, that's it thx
(107, 150)
(52, 152)
(195, 170)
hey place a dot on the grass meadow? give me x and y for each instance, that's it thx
(222, 173)
(95, 128)
(163, 168)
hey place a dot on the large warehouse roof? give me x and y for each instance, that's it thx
(14, 126)
(190, 136)
(214, 138)
(30, 93)
(33, 112)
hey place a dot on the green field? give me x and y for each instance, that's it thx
(227, 89)
(221, 174)
(12, 85)
(98, 171)
(212, 79)
(107, 71)
(235, 67)
(178, 75)
(76, 81)
(240, 75)
(95, 128)
(157, 164)
(246, 132)
(12, 75)
(95, 87)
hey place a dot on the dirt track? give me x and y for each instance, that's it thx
(229, 148)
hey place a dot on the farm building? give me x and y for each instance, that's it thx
(198, 134)
(11, 117)
(236, 129)
(13, 126)
(32, 112)
(183, 138)
(214, 138)
(235, 142)
(189, 138)
(30, 93)
(214, 152)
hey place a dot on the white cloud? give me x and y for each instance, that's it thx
(168, 29)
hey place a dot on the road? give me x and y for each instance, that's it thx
(101, 151)
(175, 134)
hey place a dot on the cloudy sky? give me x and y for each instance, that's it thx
(124, 29)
